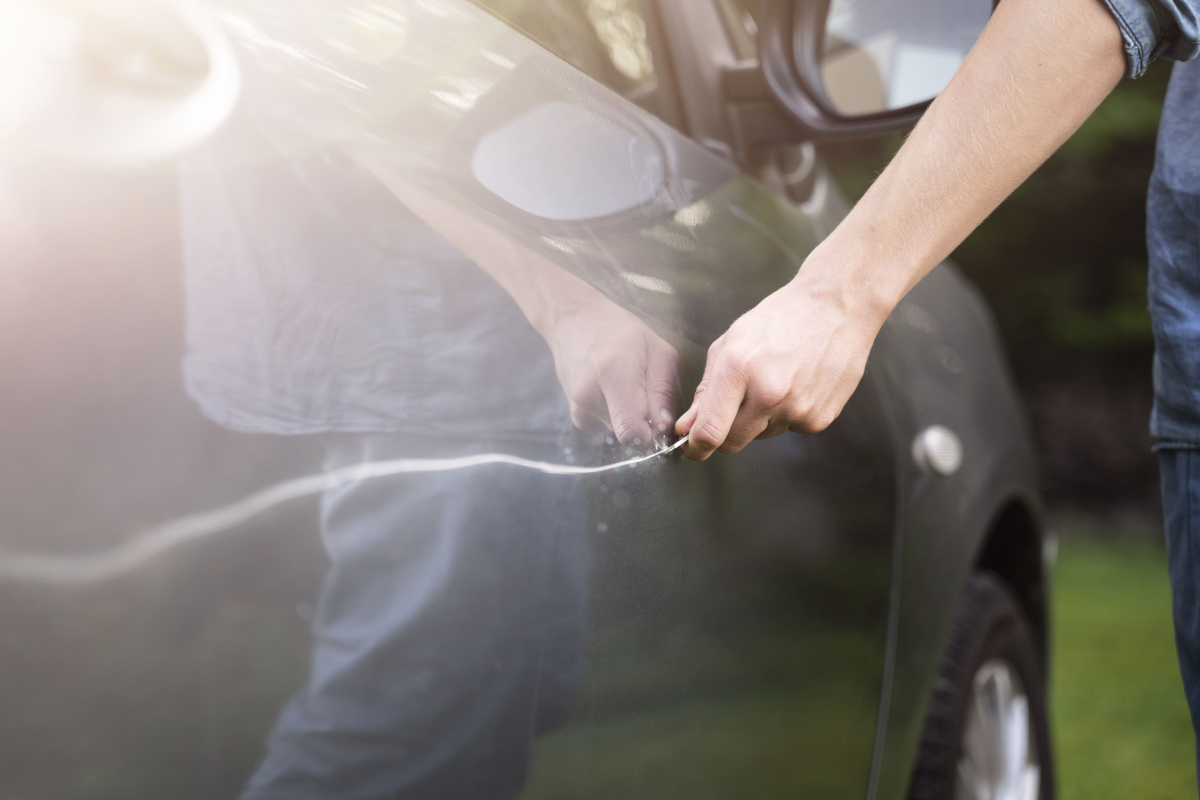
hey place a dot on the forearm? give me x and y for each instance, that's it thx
(793, 361)
(614, 370)
(1036, 74)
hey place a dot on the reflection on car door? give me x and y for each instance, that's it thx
(737, 609)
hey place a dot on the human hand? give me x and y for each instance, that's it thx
(617, 373)
(790, 363)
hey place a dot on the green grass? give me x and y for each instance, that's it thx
(1121, 723)
(768, 715)
(746, 746)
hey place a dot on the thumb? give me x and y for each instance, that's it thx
(684, 424)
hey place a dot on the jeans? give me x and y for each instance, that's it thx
(1181, 516)
(448, 634)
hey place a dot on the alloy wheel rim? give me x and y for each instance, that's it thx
(999, 747)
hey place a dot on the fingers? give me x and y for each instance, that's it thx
(626, 381)
(751, 422)
(589, 411)
(661, 369)
(638, 393)
(737, 401)
(774, 428)
(684, 424)
(622, 384)
(717, 406)
(792, 362)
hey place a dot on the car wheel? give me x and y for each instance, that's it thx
(986, 736)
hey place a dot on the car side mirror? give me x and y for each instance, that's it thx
(842, 68)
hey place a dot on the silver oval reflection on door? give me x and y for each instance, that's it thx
(938, 449)
(564, 162)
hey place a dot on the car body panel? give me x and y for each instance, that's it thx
(947, 369)
(766, 623)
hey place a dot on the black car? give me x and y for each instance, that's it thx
(861, 612)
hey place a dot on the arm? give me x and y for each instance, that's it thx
(1037, 72)
(614, 369)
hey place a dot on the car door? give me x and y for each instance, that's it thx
(737, 610)
(735, 613)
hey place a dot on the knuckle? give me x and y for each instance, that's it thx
(623, 432)
(730, 447)
(737, 363)
(706, 434)
(661, 388)
(804, 426)
(625, 428)
(771, 431)
(824, 418)
(815, 420)
(797, 412)
(771, 392)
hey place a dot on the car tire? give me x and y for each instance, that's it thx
(990, 694)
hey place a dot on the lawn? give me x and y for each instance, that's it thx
(1121, 722)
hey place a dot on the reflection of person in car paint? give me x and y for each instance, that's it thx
(1035, 75)
(449, 628)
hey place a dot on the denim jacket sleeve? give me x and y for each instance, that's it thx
(1153, 28)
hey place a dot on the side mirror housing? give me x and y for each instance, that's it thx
(848, 68)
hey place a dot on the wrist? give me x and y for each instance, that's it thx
(850, 279)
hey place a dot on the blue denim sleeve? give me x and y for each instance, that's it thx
(1153, 28)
